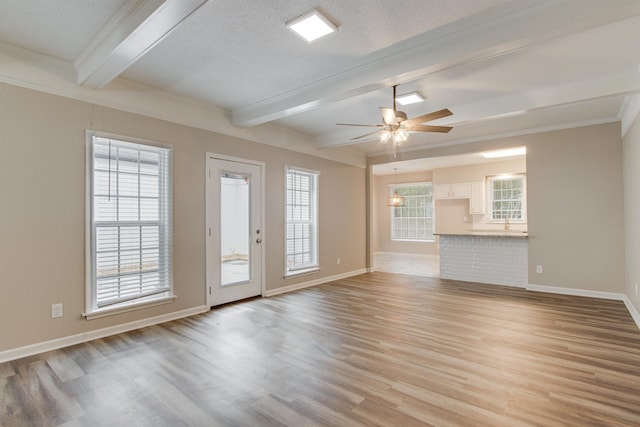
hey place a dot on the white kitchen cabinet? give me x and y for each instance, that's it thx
(459, 190)
(477, 200)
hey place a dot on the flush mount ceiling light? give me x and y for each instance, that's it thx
(508, 152)
(312, 25)
(409, 98)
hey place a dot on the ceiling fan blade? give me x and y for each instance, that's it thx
(389, 116)
(428, 117)
(365, 135)
(427, 128)
(353, 124)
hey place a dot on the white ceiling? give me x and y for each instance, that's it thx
(502, 67)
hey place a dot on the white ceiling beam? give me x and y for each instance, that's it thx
(519, 103)
(483, 36)
(556, 96)
(137, 27)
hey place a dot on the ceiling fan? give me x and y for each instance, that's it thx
(396, 126)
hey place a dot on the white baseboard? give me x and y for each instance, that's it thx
(632, 310)
(406, 254)
(30, 350)
(576, 292)
(315, 282)
(592, 294)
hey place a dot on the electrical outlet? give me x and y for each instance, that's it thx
(56, 310)
(338, 262)
(539, 269)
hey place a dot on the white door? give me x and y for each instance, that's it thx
(234, 230)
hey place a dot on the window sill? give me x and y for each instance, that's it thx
(303, 272)
(111, 311)
(414, 240)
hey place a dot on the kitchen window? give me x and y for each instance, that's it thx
(507, 199)
(129, 251)
(414, 220)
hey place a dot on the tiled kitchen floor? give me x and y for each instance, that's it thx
(413, 264)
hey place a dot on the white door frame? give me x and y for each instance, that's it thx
(209, 227)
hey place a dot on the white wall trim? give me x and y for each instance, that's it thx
(30, 350)
(502, 135)
(38, 72)
(406, 253)
(628, 112)
(576, 292)
(592, 294)
(297, 286)
(632, 310)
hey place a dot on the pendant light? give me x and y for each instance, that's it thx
(395, 200)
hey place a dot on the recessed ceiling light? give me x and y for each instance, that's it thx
(312, 25)
(508, 152)
(409, 98)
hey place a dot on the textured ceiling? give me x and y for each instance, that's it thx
(58, 28)
(502, 67)
(247, 54)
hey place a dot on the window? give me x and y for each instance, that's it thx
(414, 220)
(507, 198)
(129, 189)
(302, 221)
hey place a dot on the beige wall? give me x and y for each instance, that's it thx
(452, 216)
(42, 211)
(471, 173)
(575, 203)
(381, 216)
(631, 150)
(575, 206)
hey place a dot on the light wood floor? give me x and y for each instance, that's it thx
(413, 264)
(375, 349)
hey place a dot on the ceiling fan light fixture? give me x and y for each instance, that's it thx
(409, 98)
(400, 135)
(312, 25)
(385, 136)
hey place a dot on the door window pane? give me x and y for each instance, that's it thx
(235, 228)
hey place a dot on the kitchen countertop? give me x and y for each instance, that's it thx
(487, 233)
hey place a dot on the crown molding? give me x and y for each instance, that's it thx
(628, 112)
(42, 73)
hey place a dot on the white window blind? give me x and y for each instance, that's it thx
(414, 220)
(130, 211)
(302, 220)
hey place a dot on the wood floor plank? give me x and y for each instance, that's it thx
(372, 350)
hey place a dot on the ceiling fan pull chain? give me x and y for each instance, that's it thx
(394, 98)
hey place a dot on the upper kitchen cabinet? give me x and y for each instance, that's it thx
(477, 204)
(460, 190)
